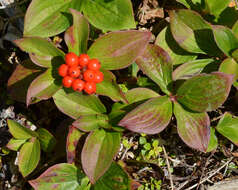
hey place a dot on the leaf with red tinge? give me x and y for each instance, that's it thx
(73, 138)
(15, 144)
(43, 87)
(76, 37)
(98, 152)
(60, 176)
(156, 64)
(193, 128)
(205, 92)
(229, 66)
(228, 127)
(150, 117)
(39, 49)
(117, 50)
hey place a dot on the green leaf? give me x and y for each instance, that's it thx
(213, 142)
(235, 29)
(109, 15)
(178, 55)
(89, 123)
(114, 178)
(193, 128)
(150, 117)
(156, 64)
(225, 39)
(76, 37)
(142, 140)
(235, 55)
(228, 127)
(21, 79)
(15, 144)
(20, 132)
(215, 7)
(192, 32)
(98, 151)
(60, 176)
(73, 138)
(189, 69)
(117, 50)
(109, 87)
(229, 66)
(205, 92)
(42, 52)
(47, 140)
(46, 18)
(29, 156)
(43, 87)
(76, 104)
(193, 4)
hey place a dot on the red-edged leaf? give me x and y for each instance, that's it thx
(150, 117)
(193, 128)
(117, 50)
(229, 66)
(71, 145)
(15, 144)
(43, 87)
(98, 152)
(156, 64)
(76, 37)
(205, 92)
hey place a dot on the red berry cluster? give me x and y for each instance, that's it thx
(80, 73)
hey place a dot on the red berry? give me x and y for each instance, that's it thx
(89, 75)
(94, 65)
(90, 87)
(71, 59)
(83, 60)
(78, 85)
(63, 70)
(98, 77)
(67, 81)
(74, 71)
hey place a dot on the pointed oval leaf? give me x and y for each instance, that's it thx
(43, 87)
(193, 128)
(215, 7)
(151, 117)
(73, 138)
(117, 50)
(20, 132)
(76, 104)
(213, 142)
(109, 15)
(47, 140)
(29, 156)
(178, 55)
(98, 152)
(46, 18)
(40, 49)
(235, 29)
(191, 68)
(156, 64)
(229, 66)
(225, 39)
(89, 123)
(60, 176)
(228, 127)
(114, 178)
(192, 32)
(76, 37)
(205, 92)
(15, 144)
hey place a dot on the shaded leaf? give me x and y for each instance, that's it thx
(178, 55)
(193, 128)
(228, 127)
(76, 37)
(205, 92)
(229, 66)
(150, 117)
(215, 7)
(189, 69)
(213, 142)
(235, 29)
(156, 64)
(47, 140)
(98, 151)
(109, 15)
(20, 132)
(117, 50)
(29, 156)
(76, 104)
(73, 138)
(15, 144)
